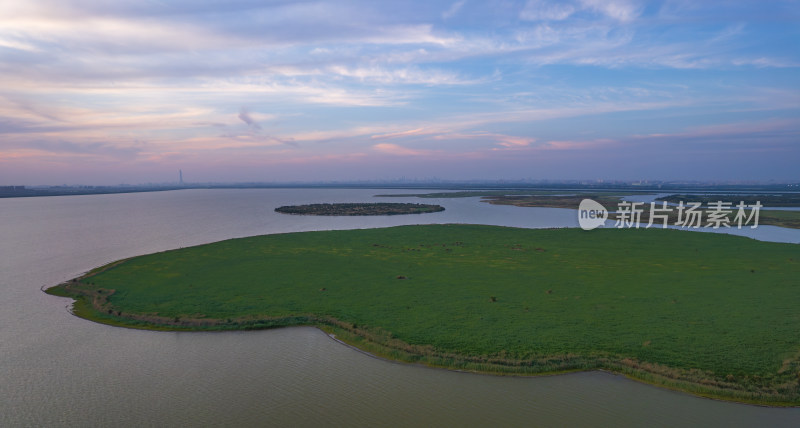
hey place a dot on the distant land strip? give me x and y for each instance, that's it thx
(559, 199)
(500, 187)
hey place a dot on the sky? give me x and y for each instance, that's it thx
(110, 92)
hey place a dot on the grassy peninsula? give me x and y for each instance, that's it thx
(714, 315)
(371, 208)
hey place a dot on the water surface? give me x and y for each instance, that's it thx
(60, 370)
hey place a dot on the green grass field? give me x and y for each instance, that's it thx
(711, 314)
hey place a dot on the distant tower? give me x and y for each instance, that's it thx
(180, 177)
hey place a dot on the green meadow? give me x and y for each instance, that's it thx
(711, 314)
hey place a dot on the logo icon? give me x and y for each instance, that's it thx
(591, 214)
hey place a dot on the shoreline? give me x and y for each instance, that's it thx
(553, 374)
(340, 333)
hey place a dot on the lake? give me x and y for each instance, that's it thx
(60, 370)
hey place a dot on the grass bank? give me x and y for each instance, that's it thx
(767, 217)
(714, 315)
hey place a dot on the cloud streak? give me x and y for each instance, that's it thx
(545, 10)
(245, 117)
(396, 150)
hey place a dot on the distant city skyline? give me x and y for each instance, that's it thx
(250, 91)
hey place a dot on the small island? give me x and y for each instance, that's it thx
(359, 209)
(710, 314)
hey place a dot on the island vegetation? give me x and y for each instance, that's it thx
(357, 209)
(711, 314)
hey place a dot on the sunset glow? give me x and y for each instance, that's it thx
(100, 92)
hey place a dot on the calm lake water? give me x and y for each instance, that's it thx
(59, 370)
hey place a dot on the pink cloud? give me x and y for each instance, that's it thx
(577, 145)
(511, 142)
(507, 141)
(394, 149)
